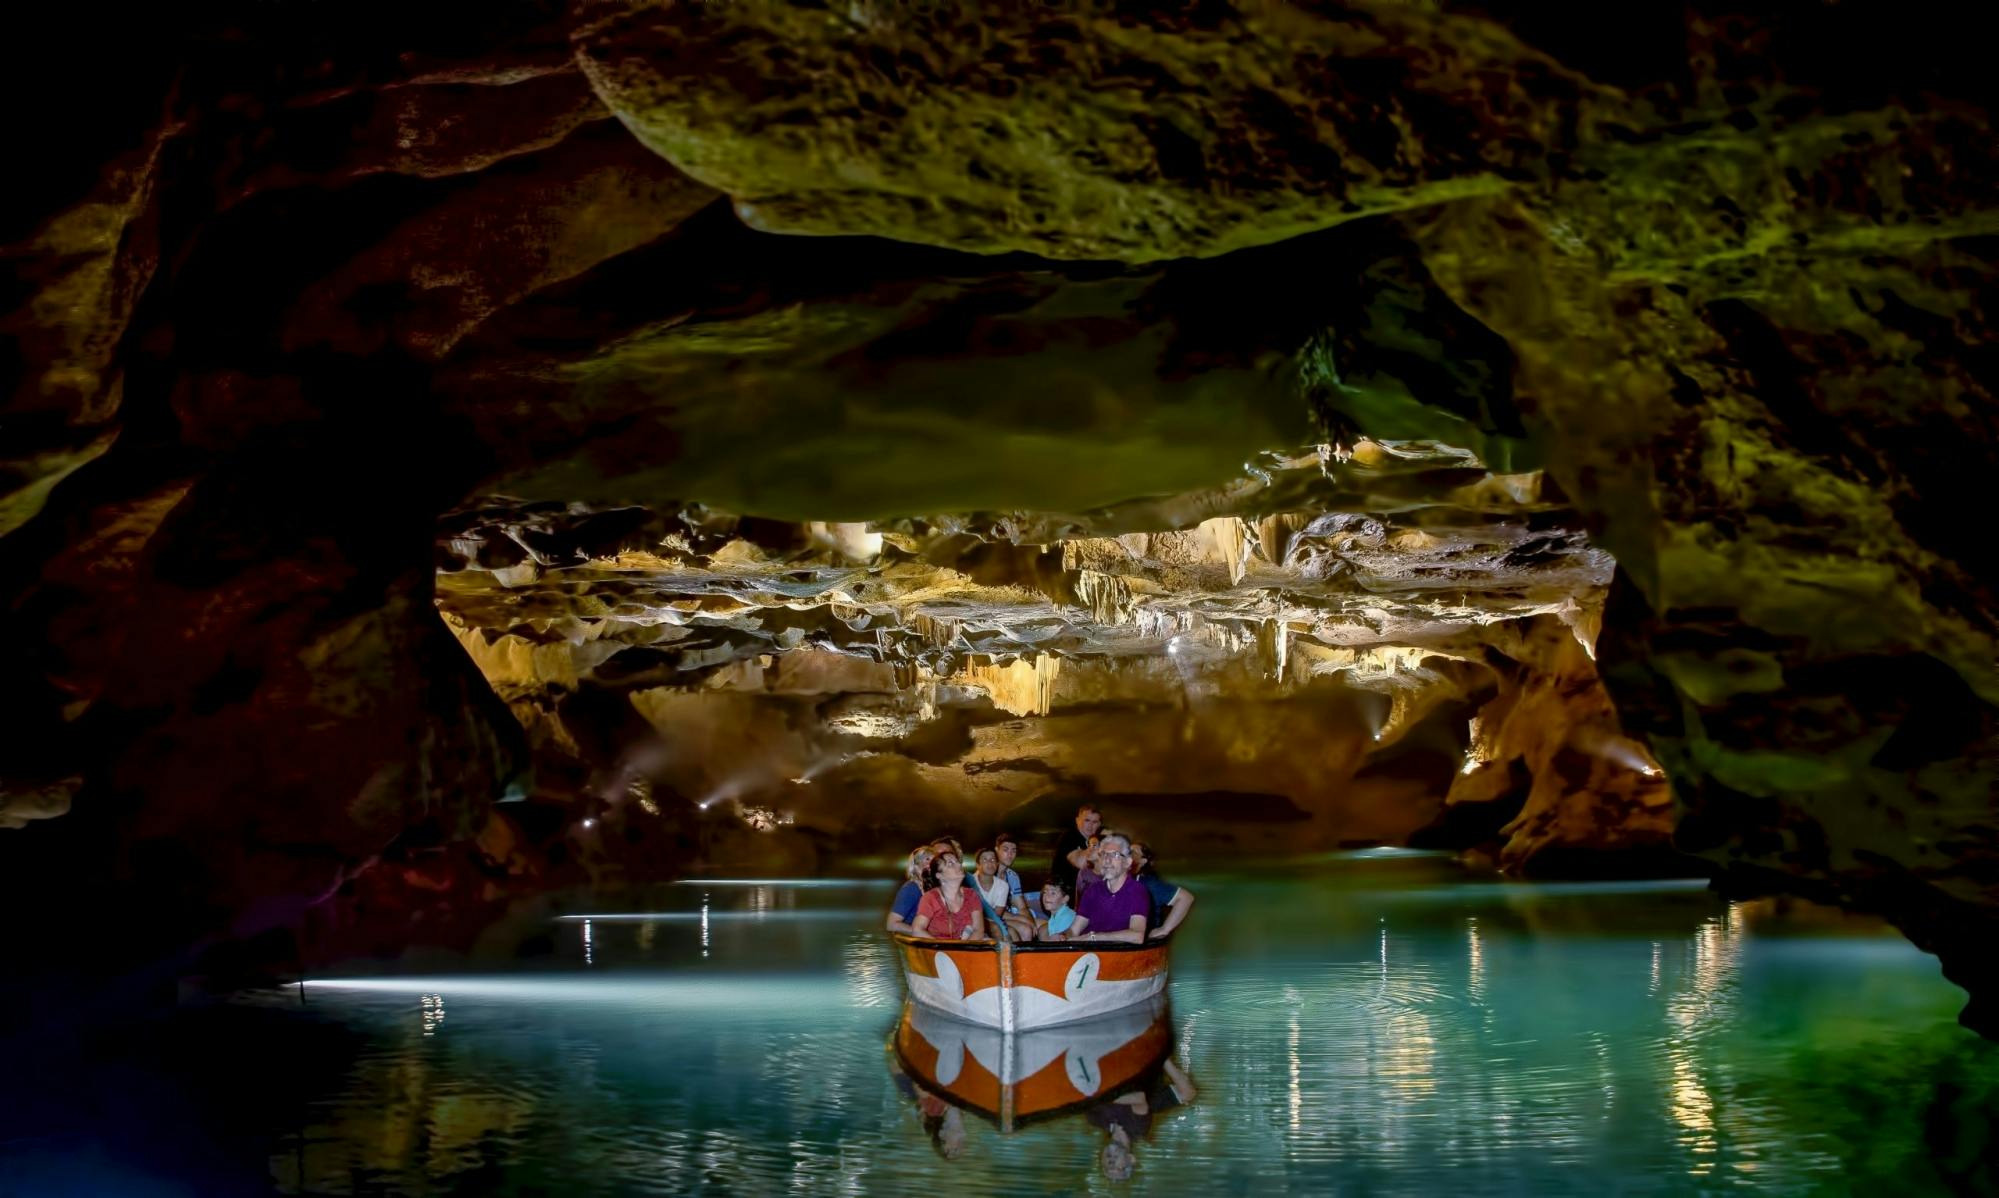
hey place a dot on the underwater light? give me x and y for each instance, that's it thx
(739, 994)
(704, 915)
(865, 883)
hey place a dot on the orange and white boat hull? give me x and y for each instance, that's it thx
(1020, 987)
(1031, 1075)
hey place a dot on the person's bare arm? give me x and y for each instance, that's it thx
(1135, 934)
(897, 923)
(921, 926)
(1176, 913)
(978, 925)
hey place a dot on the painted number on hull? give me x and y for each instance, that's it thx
(1084, 1073)
(1080, 974)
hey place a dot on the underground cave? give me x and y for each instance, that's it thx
(529, 528)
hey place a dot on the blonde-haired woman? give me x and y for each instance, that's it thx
(904, 908)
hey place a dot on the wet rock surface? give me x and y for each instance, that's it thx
(400, 404)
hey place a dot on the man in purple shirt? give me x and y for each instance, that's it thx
(1119, 906)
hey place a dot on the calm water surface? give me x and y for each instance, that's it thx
(1366, 1023)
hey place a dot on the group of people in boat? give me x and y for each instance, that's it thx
(1101, 886)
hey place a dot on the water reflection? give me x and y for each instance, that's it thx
(1116, 1071)
(1345, 1037)
(431, 1007)
(1014, 1079)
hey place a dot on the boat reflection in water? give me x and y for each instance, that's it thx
(1116, 1070)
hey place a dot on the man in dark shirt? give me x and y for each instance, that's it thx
(1072, 851)
(1170, 903)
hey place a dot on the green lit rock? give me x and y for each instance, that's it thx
(1091, 131)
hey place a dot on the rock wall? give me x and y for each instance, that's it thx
(1319, 335)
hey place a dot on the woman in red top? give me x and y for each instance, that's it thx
(949, 910)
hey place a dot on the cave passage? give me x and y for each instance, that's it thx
(516, 517)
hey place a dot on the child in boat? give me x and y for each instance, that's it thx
(1061, 916)
(992, 891)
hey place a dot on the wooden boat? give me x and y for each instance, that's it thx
(1018, 1078)
(1020, 987)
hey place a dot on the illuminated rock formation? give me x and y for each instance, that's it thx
(1159, 386)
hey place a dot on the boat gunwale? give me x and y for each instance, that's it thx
(1029, 946)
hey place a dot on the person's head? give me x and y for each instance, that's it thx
(1089, 819)
(947, 1133)
(1113, 855)
(944, 867)
(944, 844)
(988, 863)
(1053, 895)
(919, 860)
(1117, 1156)
(1008, 848)
(1141, 856)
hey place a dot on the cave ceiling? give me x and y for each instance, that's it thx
(981, 403)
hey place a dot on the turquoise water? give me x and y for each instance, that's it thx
(1366, 1024)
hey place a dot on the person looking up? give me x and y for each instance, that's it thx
(1060, 916)
(1118, 908)
(1016, 913)
(904, 908)
(1008, 848)
(948, 911)
(1170, 903)
(991, 886)
(1072, 851)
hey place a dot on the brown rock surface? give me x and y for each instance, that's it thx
(1591, 789)
(518, 227)
(1713, 295)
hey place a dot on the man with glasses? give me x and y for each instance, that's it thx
(1119, 907)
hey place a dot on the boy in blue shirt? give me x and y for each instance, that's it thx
(1061, 916)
